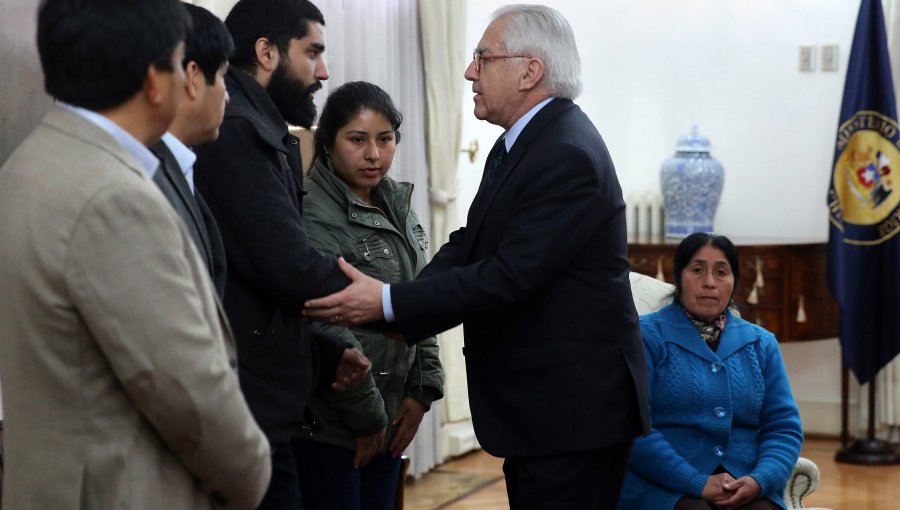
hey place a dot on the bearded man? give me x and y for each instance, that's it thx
(252, 180)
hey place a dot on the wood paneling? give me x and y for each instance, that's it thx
(792, 274)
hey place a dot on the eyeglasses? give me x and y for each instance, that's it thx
(478, 57)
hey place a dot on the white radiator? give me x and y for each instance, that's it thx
(644, 214)
(459, 438)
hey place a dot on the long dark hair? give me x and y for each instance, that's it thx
(691, 244)
(344, 103)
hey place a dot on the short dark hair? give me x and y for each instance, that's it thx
(344, 103)
(691, 244)
(278, 21)
(208, 43)
(95, 53)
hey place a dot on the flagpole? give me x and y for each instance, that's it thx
(845, 405)
(870, 451)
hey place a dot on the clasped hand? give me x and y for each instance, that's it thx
(728, 493)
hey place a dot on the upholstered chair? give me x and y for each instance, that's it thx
(651, 294)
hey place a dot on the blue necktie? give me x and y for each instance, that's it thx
(495, 161)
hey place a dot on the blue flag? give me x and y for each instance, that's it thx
(863, 199)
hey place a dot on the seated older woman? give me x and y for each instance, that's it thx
(726, 430)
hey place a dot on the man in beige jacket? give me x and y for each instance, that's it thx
(118, 366)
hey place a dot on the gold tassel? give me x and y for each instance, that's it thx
(660, 275)
(759, 283)
(801, 311)
(753, 298)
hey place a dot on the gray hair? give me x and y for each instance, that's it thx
(541, 31)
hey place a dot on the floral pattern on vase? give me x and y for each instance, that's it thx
(691, 186)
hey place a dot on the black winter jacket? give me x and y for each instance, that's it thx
(252, 180)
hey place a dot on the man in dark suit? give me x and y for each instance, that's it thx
(208, 47)
(539, 277)
(252, 179)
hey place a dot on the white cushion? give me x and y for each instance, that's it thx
(649, 293)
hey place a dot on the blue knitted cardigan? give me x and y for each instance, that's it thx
(732, 407)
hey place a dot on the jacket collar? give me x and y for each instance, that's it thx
(484, 197)
(678, 329)
(534, 127)
(531, 131)
(396, 195)
(511, 135)
(249, 100)
(86, 131)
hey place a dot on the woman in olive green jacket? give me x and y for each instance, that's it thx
(355, 211)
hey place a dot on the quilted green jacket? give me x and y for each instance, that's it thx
(388, 243)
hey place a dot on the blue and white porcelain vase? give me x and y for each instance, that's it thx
(691, 187)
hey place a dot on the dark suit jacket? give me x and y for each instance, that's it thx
(193, 212)
(252, 180)
(539, 277)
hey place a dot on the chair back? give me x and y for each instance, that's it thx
(649, 293)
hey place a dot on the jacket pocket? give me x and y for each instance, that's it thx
(544, 355)
(376, 256)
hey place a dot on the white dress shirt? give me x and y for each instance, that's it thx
(149, 163)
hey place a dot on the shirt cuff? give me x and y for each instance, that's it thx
(386, 304)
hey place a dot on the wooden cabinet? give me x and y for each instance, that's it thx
(793, 300)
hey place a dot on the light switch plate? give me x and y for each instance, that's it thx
(829, 57)
(807, 58)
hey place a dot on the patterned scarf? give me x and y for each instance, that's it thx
(709, 332)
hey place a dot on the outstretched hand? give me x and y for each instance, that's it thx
(358, 303)
(352, 369)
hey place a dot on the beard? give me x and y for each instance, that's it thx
(292, 96)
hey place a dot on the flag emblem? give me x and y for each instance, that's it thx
(862, 191)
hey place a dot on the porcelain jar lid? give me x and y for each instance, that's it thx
(692, 142)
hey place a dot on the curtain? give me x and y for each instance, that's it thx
(378, 42)
(443, 51)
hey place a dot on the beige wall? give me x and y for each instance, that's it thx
(23, 101)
